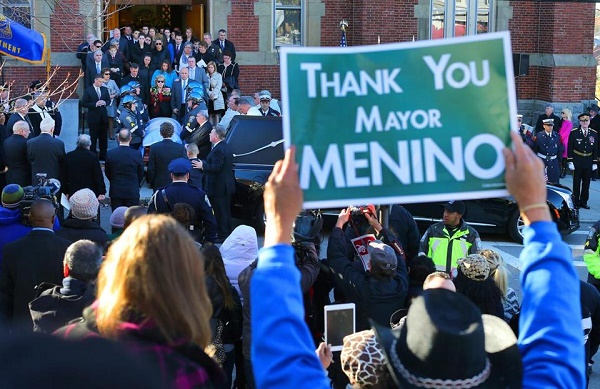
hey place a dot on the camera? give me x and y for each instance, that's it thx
(45, 189)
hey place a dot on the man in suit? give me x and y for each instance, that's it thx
(82, 170)
(198, 74)
(45, 153)
(199, 134)
(161, 154)
(223, 44)
(219, 181)
(95, 63)
(95, 99)
(178, 95)
(84, 48)
(29, 261)
(125, 172)
(15, 155)
(177, 50)
(21, 109)
(212, 50)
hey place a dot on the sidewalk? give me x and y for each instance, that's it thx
(591, 215)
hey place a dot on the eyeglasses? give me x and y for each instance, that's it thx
(160, 82)
(584, 120)
(158, 44)
(98, 47)
(107, 74)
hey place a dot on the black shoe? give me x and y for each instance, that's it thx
(585, 206)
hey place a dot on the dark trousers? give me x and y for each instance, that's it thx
(581, 185)
(181, 113)
(250, 384)
(221, 206)
(98, 134)
(116, 202)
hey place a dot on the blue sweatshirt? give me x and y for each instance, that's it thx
(550, 334)
(282, 348)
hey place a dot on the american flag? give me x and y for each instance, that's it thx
(343, 42)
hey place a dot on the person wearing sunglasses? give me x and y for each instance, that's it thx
(582, 159)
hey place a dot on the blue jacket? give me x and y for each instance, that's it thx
(282, 350)
(11, 227)
(550, 337)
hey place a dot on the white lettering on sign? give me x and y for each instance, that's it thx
(320, 84)
(457, 75)
(396, 120)
(409, 165)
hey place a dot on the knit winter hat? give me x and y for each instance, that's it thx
(475, 267)
(363, 360)
(12, 195)
(117, 219)
(84, 204)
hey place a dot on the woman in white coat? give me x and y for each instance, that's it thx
(216, 104)
(239, 250)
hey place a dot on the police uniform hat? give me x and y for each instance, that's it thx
(128, 99)
(519, 116)
(196, 97)
(583, 115)
(549, 122)
(134, 84)
(180, 166)
(192, 84)
(455, 206)
(125, 89)
(264, 95)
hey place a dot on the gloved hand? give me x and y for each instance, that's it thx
(571, 166)
(594, 167)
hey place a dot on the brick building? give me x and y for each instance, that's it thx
(557, 37)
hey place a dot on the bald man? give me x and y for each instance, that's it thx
(27, 262)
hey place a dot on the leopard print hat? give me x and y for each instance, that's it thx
(363, 361)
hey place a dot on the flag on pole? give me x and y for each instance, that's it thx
(20, 42)
(343, 27)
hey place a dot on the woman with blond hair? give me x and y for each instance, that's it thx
(152, 299)
(498, 271)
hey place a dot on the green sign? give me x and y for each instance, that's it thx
(399, 123)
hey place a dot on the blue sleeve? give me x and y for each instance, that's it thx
(282, 349)
(550, 338)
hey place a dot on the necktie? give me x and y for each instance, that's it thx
(97, 68)
(222, 45)
(584, 133)
(98, 92)
(192, 73)
(177, 48)
(183, 86)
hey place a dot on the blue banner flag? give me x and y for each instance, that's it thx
(20, 42)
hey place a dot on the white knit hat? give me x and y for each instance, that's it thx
(84, 204)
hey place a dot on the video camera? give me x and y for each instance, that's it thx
(45, 189)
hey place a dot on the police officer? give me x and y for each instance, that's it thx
(129, 119)
(195, 103)
(141, 110)
(179, 191)
(549, 148)
(582, 157)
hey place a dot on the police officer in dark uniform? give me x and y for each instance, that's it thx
(526, 135)
(141, 110)
(179, 191)
(582, 157)
(129, 119)
(195, 104)
(549, 148)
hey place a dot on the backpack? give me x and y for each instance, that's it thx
(232, 319)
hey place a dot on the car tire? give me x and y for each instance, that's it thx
(516, 226)
(260, 219)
